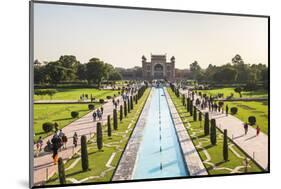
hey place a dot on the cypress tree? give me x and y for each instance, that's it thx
(121, 112)
(213, 135)
(225, 145)
(129, 105)
(84, 153)
(108, 126)
(200, 116)
(183, 100)
(188, 105)
(132, 102)
(191, 108)
(125, 108)
(115, 123)
(194, 114)
(99, 135)
(61, 171)
(206, 124)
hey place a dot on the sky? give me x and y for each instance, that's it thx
(121, 36)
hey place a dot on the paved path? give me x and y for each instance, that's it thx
(255, 146)
(44, 167)
(67, 101)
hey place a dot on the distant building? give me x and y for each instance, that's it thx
(158, 68)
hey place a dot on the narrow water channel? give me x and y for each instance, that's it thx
(159, 154)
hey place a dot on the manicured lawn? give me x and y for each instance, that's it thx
(228, 91)
(211, 155)
(74, 94)
(99, 172)
(59, 113)
(257, 109)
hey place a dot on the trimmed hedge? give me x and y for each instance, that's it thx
(252, 120)
(91, 106)
(48, 127)
(233, 110)
(74, 114)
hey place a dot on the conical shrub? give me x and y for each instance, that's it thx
(115, 121)
(225, 145)
(84, 153)
(108, 126)
(206, 124)
(61, 171)
(213, 135)
(99, 136)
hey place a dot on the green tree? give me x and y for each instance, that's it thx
(95, 71)
(84, 153)
(108, 126)
(121, 112)
(206, 124)
(115, 120)
(213, 135)
(61, 171)
(99, 136)
(225, 145)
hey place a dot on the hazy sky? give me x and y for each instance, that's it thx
(120, 36)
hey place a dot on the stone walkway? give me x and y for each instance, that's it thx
(44, 167)
(254, 146)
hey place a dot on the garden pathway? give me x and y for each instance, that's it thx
(44, 167)
(254, 146)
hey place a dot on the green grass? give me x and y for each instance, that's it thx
(195, 129)
(98, 159)
(59, 113)
(74, 94)
(257, 109)
(228, 91)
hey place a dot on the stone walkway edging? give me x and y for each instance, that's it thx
(125, 168)
(192, 159)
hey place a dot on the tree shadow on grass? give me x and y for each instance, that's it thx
(63, 119)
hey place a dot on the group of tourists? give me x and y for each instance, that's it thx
(208, 102)
(58, 142)
(97, 114)
(246, 127)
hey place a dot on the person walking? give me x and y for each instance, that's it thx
(55, 142)
(75, 139)
(94, 116)
(39, 144)
(246, 126)
(258, 130)
(64, 140)
(101, 109)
